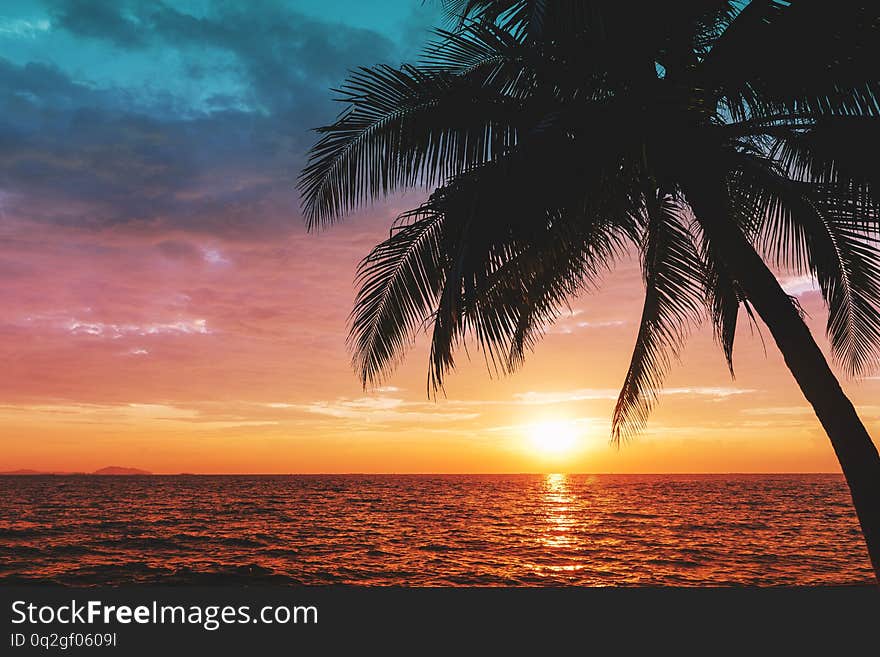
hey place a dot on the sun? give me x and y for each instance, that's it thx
(554, 438)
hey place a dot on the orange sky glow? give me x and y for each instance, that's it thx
(224, 356)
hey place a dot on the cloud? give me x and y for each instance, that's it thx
(186, 327)
(136, 414)
(568, 328)
(799, 285)
(278, 49)
(866, 410)
(23, 28)
(720, 392)
(214, 141)
(214, 256)
(116, 331)
(95, 18)
(269, 59)
(589, 394)
(383, 409)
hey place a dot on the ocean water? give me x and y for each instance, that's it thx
(427, 530)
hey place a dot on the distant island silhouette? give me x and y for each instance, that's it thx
(109, 470)
(117, 470)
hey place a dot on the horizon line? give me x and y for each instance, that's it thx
(18, 473)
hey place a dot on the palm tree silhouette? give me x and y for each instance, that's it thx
(720, 138)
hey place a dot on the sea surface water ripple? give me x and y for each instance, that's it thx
(432, 530)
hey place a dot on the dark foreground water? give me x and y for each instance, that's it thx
(531, 530)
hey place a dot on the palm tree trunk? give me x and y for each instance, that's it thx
(855, 450)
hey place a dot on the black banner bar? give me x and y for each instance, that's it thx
(227, 620)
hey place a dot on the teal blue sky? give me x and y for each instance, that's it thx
(199, 56)
(164, 97)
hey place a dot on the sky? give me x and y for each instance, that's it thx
(165, 308)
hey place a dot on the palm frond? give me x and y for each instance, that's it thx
(522, 18)
(565, 256)
(723, 298)
(839, 150)
(486, 56)
(522, 248)
(826, 231)
(403, 127)
(673, 301)
(805, 55)
(505, 245)
(400, 281)
(475, 46)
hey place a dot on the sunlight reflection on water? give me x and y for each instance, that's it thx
(558, 508)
